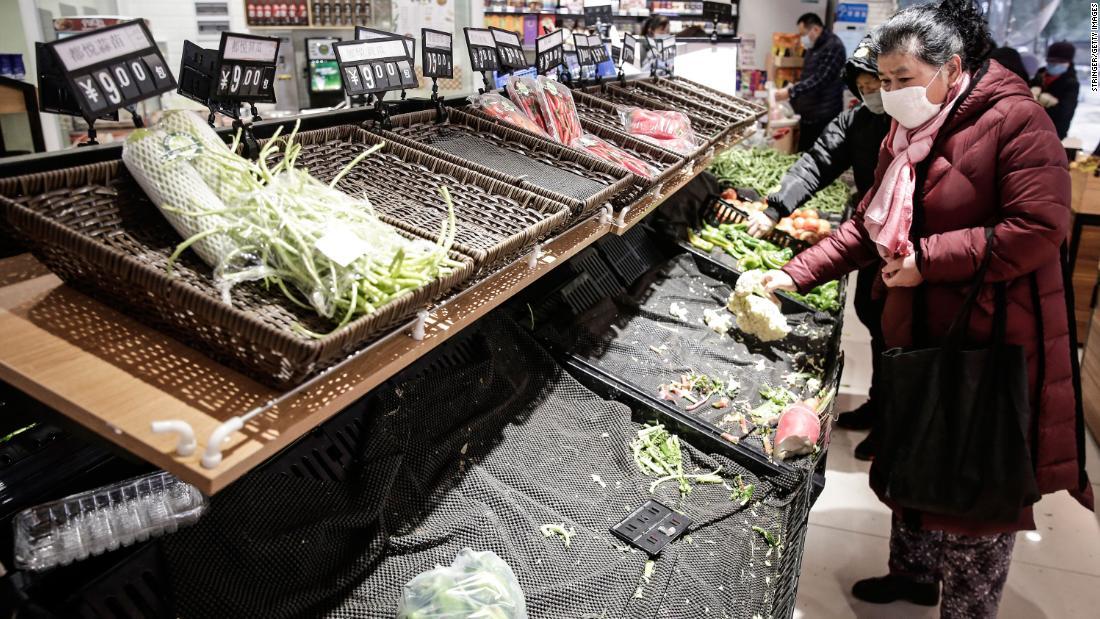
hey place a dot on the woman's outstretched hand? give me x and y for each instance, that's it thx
(778, 280)
(902, 272)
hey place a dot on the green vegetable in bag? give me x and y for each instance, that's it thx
(476, 584)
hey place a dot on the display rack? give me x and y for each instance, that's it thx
(115, 375)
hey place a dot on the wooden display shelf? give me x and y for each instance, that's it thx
(116, 376)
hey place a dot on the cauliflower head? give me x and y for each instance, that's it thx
(755, 314)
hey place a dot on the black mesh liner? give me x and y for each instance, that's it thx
(460, 142)
(480, 455)
(635, 337)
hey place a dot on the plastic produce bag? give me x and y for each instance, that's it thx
(476, 584)
(557, 99)
(602, 149)
(502, 109)
(525, 93)
(659, 124)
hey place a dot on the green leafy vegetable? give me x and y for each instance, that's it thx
(771, 538)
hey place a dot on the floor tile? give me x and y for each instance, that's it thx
(1067, 536)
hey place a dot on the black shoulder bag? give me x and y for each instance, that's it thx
(952, 431)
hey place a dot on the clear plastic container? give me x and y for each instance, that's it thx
(103, 519)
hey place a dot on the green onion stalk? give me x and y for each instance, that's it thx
(272, 222)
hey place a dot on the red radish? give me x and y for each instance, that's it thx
(798, 431)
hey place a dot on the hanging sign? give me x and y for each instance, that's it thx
(718, 10)
(584, 53)
(112, 68)
(509, 49)
(375, 66)
(630, 47)
(597, 11)
(483, 50)
(550, 51)
(597, 48)
(438, 53)
(668, 47)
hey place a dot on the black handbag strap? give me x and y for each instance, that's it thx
(960, 326)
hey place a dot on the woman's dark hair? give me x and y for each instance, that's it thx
(935, 32)
(652, 24)
(1010, 59)
(810, 19)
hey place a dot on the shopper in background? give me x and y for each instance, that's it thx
(819, 95)
(1011, 60)
(969, 150)
(1056, 87)
(851, 140)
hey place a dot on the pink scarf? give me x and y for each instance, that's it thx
(890, 213)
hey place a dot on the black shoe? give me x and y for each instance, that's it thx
(890, 588)
(865, 451)
(860, 419)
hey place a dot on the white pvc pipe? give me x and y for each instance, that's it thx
(186, 444)
(622, 217)
(212, 457)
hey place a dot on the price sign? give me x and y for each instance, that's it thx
(112, 68)
(617, 55)
(438, 53)
(550, 51)
(630, 46)
(483, 49)
(375, 65)
(718, 10)
(362, 33)
(509, 49)
(668, 47)
(584, 53)
(246, 68)
(597, 48)
(597, 11)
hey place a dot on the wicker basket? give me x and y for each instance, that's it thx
(93, 226)
(657, 99)
(745, 111)
(538, 165)
(594, 110)
(495, 220)
(708, 126)
(666, 162)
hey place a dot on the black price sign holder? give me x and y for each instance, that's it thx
(716, 11)
(550, 51)
(240, 72)
(362, 33)
(628, 54)
(437, 57)
(509, 49)
(483, 54)
(668, 54)
(597, 13)
(95, 74)
(371, 68)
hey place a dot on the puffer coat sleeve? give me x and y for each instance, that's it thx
(1034, 216)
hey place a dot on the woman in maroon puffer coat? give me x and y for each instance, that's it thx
(969, 148)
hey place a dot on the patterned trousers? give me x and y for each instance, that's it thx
(973, 570)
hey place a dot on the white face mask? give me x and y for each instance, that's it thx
(910, 106)
(873, 101)
(807, 42)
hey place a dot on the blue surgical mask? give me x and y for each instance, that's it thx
(1057, 68)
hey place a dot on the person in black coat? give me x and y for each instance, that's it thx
(819, 95)
(1011, 60)
(1056, 87)
(852, 139)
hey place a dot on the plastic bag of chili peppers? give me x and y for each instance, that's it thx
(502, 109)
(662, 124)
(524, 92)
(558, 101)
(684, 146)
(610, 153)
